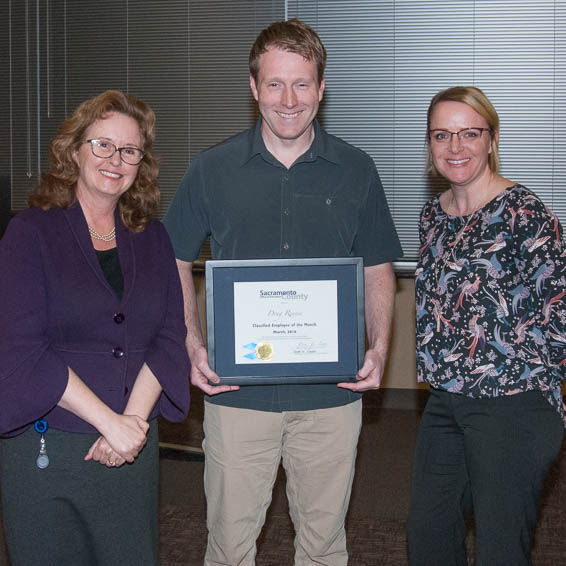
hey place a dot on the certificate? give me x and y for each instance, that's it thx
(285, 321)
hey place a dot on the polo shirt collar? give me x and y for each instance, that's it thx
(320, 146)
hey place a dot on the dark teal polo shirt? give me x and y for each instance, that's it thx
(330, 203)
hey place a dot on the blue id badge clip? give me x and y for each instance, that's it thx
(42, 460)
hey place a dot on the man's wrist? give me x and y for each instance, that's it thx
(379, 349)
(194, 349)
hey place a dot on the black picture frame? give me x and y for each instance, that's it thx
(220, 278)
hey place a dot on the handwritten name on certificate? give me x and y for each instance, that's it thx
(285, 322)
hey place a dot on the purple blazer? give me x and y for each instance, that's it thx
(57, 311)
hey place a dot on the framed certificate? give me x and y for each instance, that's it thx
(285, 321)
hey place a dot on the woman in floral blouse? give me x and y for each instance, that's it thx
(491, 319)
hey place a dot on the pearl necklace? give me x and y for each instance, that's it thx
(103, 237)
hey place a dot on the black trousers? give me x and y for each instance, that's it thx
(75, 512)
(486, 455)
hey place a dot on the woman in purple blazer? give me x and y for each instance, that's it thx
(92, 346)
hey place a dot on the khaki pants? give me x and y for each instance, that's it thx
(243, 449)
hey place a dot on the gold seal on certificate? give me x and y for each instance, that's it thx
(264, 351)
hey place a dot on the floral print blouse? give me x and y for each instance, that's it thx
(491, 298)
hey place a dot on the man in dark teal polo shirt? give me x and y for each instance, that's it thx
(284, 189)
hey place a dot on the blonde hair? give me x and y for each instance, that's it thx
(475, 98)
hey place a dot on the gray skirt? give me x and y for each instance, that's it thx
(77, 512)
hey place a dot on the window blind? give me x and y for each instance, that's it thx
(186, 58)
(386, 59)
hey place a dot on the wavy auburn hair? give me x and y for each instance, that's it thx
(57, 187)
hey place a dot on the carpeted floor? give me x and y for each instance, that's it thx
(380, 497)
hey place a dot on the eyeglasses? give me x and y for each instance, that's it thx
(104, 148)
(467, 136)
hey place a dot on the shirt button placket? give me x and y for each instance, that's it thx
(285, 213)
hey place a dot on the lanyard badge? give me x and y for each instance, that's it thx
(42, 460)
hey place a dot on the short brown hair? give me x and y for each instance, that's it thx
(294, 36)
(57, 188)
(476, 99)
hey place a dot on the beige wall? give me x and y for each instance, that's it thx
(400, 372)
